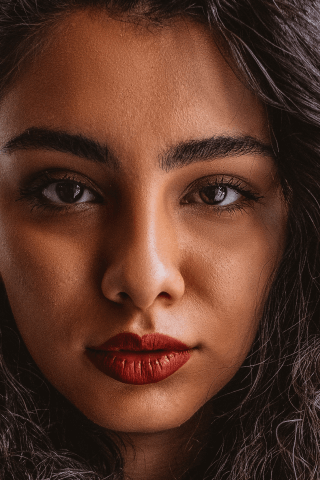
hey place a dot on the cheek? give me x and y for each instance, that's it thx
(49, 280)
(230, 277)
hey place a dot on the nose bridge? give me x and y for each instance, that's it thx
(147, 262)
(151, 240)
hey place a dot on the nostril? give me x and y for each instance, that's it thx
(123, 295)
(164, 295)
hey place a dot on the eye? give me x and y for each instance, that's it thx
(59, 191)
(218, 195)
(68, 192)
(221, 192)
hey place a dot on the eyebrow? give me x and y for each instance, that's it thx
(221, 146)
(177, 156)
(57, 140)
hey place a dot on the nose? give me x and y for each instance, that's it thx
(144, 266)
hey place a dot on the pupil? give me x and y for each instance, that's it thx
(68, 192)
(213, 195)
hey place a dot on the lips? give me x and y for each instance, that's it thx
(136, 360)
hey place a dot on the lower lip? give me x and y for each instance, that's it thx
(138, 368)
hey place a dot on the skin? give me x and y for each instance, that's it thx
(189, 270)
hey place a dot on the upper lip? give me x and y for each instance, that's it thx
(132, 342)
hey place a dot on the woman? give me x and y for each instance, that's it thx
(159, 224)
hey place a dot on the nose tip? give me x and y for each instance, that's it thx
(142, 281)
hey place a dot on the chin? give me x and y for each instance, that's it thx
(148, 416)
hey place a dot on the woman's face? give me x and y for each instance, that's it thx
(156, 210)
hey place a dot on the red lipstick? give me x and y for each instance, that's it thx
(129, 358)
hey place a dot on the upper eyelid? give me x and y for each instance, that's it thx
(228, 180)
(49, 178)
(219, 179)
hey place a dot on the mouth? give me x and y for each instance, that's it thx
(136, 360)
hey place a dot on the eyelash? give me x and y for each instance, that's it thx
(34, 193)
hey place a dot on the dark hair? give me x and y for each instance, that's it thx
(267, 419)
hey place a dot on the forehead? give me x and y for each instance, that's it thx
(123, 82)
